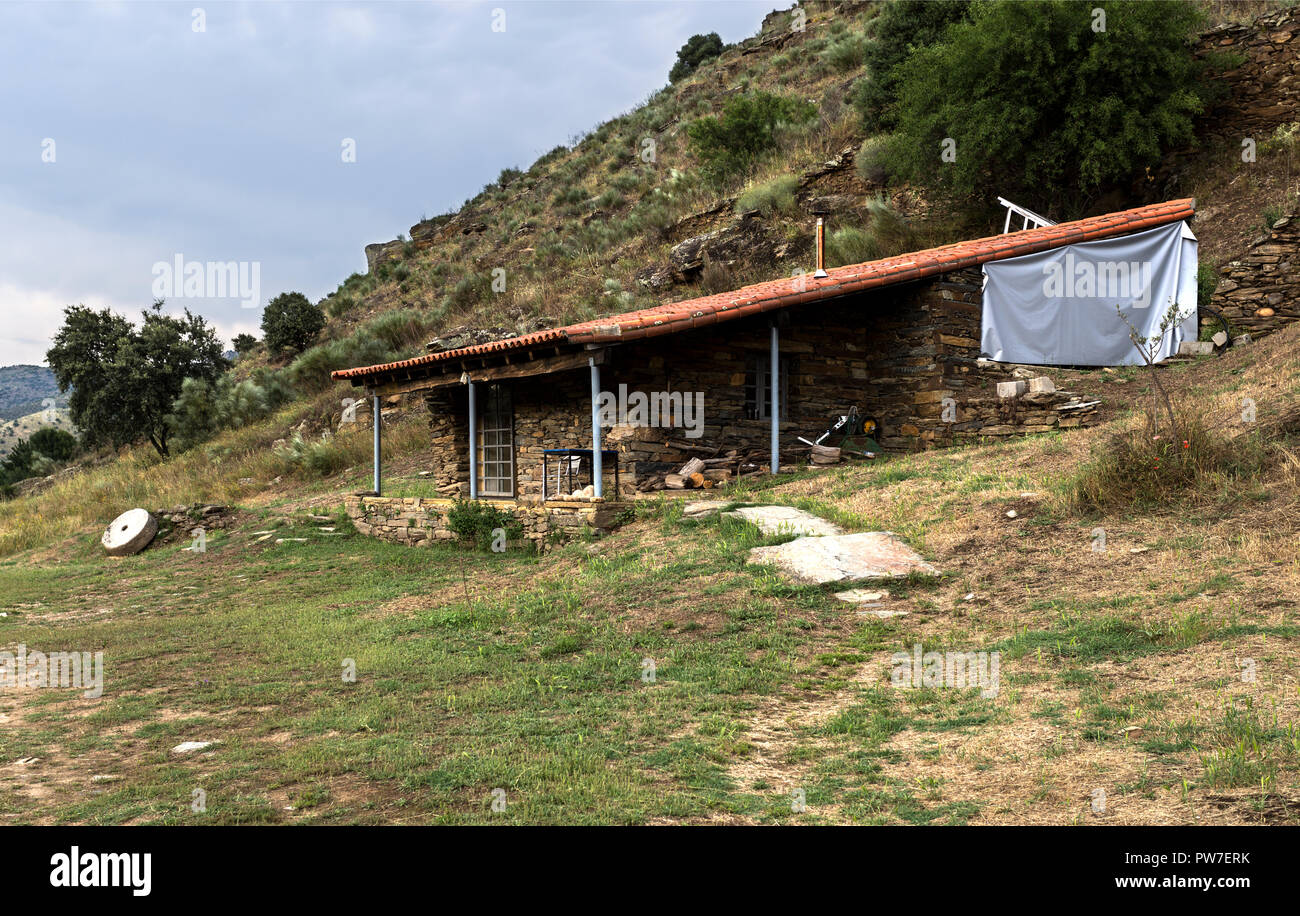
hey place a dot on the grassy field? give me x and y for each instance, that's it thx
(652, 677)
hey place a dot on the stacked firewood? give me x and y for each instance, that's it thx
(705, 471)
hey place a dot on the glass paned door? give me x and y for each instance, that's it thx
(497, 443)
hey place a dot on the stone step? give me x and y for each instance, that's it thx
(785, 520)
(844, 558)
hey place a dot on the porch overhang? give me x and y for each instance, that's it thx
(490, 367)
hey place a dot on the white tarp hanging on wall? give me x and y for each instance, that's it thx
(1057, 308)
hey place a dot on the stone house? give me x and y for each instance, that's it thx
(898, 338)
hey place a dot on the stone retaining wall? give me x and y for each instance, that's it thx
(1266, 277)
(420, 521)
(1263, 91)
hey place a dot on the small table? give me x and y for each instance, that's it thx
(566, 464)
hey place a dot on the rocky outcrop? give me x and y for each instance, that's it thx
(750, 241)
(465, 336)
(384, 253)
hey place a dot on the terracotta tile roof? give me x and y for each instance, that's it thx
(787, 291)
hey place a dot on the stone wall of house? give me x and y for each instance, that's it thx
(449, 440)
(975, 411)
(421, 521)
(906, 356)
(1260, 291)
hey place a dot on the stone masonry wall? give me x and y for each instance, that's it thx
(907, 356)
(1266, 278)
(422, 522)
(1264, 91)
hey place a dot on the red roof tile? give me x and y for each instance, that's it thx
(775, 294)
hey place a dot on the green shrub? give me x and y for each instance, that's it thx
(338, 305)
(887, 233)
(318, 457)
(17, 465)
(1026, 98)
(654, 216)
(549, 157)
(1207, 281)
(476, 522)
(205, 408)
(698, 49)
(872, 161)
(846, 54)
(470, 291)
(400, 329)
(900, 28)
(771, 197)
(748, 127)
(1284, 140)
(290, 323)
(55, 444)
(311, 371)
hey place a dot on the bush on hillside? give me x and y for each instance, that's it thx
(244, 344)
(1025, 98)
(748, 127)
(770, 197)
(848, 53)
(470, 291)
(339, 304)
(698, 49)
(17, 465)
(315, 457)
(311, 371)
(290, 323)
(205, 408)
(872, 160)
(55, 444)
(886, 234)
(901, 27)
(400, 329)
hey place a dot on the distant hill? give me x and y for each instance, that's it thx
(23, 390)
(11, 431)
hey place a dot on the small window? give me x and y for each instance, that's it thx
(496, 445)
(758, 387)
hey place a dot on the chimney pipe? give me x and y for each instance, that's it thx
(821, 247)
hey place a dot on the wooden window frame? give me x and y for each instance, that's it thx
(758, 386)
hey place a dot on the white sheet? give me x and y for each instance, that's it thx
(1057, 308)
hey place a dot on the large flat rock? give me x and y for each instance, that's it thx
(844, 557)
(786, 520)
(702, 508)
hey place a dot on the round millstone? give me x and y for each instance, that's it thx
(130, 533)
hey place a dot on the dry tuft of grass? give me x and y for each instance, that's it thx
(1133, 468)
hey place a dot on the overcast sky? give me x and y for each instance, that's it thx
(129, 136)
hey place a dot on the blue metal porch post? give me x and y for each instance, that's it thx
(597, 459)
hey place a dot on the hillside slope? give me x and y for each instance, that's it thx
(624, 218)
